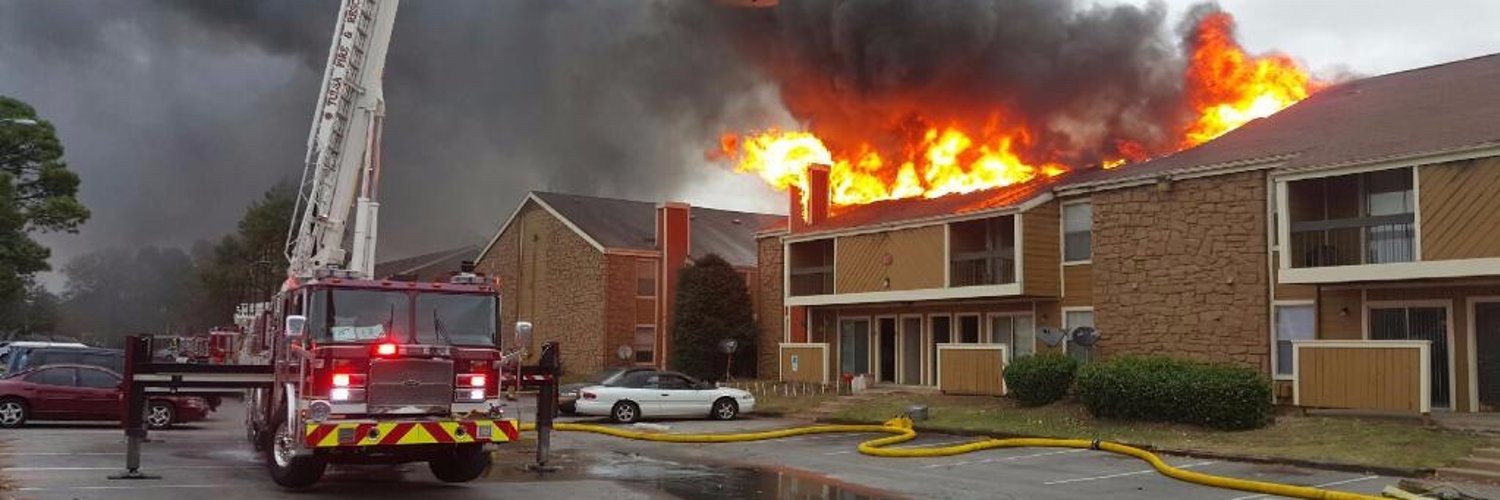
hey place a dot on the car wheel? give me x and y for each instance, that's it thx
(725, 409)
(160, 415)
(13, 412)
(625, 412)
(287, 468)
(465, 464)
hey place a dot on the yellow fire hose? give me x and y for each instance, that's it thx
(901, 430)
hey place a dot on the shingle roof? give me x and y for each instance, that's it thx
(1435, 109)
(426, 267)
(628, 224)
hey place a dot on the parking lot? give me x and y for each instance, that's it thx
(211, 458)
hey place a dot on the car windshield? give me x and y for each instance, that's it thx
(456, 319)
(371, 316)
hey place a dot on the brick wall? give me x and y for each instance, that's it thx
(768, 309)
(620, 314)
(1183, 272)
(567, 288)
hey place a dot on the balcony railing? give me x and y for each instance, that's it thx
(981, 270)
(812, 281)
(1349, 242)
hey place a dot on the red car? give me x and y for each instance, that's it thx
(83, 392)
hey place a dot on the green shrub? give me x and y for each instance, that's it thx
(1158, 388)
(1040, 378)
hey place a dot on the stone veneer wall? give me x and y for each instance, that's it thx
(1183, 271)
(769, 313)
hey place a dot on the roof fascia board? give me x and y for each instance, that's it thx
(906, 224)
(1371, 164)
(1214, 169)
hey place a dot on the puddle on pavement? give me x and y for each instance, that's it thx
(686, 481)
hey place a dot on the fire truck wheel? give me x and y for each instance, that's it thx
(465, 463)
(12, 412)
(287, 468)
(625, 412)
(160, 414)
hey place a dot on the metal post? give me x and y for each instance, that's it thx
(546, 406)
(137, 352)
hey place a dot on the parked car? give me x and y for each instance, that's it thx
(651, 393)
(567, 394)
(23, 359)
(16, 348)
(84, 392)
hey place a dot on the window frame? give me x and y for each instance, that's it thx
(1062, 223)
(1011, 351)
(1093, 320)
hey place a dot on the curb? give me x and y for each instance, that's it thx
(1409, 472)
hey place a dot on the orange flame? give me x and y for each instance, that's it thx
(1225, 88)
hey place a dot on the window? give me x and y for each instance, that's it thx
(97, 379)
(53, 376)
(669, 381)
(645, 278)
(810, 266)
(854, 346)
(1018, 333)
(1074, 319)
(645, 343)
(1078, 229)
(982, 252)
(1364, 218)
(1292, 323)
(941, 332)
(636, 380)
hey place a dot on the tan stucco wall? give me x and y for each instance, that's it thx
(1459, 208)
(911, 259)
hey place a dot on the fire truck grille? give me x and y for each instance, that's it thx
(410, 382)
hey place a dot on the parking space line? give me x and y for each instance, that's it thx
(1001, 459)
(142, 487)
(1124, 474)
(926, 445)
(48, 469)
(1323, 485)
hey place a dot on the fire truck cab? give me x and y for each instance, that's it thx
(375, 371)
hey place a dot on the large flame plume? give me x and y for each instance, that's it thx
(1223, 88)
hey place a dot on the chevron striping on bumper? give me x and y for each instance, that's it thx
(358, 433)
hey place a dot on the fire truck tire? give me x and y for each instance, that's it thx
(287, 469)
(466, 463)
(625, 412)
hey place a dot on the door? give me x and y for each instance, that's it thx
(886, 328)
(1487, 349)
(101, 393)
(911, 351)
(941, 333)
(968, 329)
(676, 396)
(1418, 323)
(56, 393)
(854, 346)
(1016, 332)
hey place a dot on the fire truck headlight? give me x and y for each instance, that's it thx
(319, 411)
(476, 394)
(339, 394)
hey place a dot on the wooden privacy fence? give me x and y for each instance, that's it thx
(1390, 375)
(804, 363)
(977, 369)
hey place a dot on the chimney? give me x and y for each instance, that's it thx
(673, 243)
(816, 210)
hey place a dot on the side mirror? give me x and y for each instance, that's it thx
(523, 334)
(295, 325)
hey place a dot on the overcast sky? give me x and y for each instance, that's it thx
(177, 114)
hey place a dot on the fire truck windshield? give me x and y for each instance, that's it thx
(370, 316)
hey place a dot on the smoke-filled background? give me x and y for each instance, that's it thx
(179, 113)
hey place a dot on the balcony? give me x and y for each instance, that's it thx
(981, 269)
(812, 281)
(810, 268)
(1351, 242)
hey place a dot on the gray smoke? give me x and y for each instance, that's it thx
(178, 113)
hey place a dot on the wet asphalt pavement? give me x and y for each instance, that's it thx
(212, 459)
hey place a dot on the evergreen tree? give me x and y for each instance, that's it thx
(712, 304)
